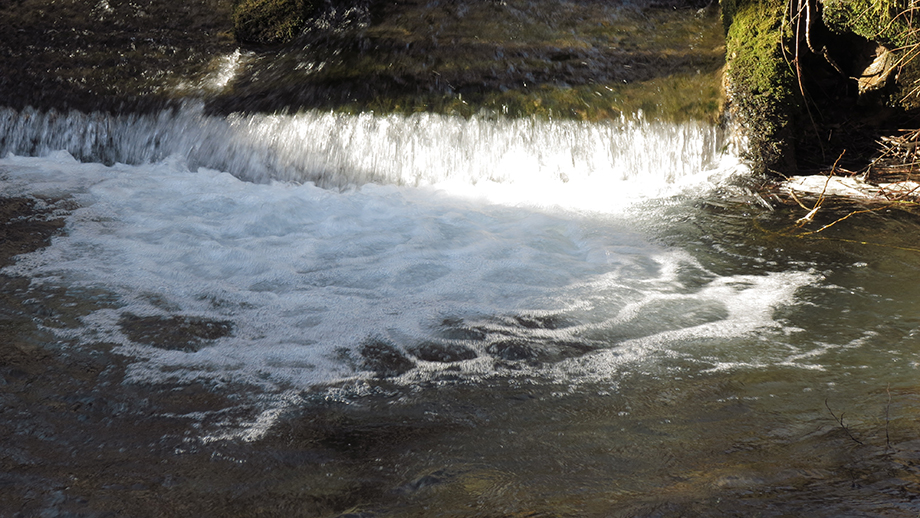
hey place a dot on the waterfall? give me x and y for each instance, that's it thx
(339, 150)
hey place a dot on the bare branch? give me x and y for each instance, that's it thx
(840, 422)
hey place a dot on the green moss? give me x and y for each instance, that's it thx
(761, 79)
(270, 21)
(891, 23)
(884, 21)
(594, 61)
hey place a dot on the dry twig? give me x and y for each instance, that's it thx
(807, 218)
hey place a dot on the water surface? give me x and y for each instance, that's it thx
(242, 305)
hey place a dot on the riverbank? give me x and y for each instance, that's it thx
(821, 85)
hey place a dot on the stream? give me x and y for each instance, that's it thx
(219, 302)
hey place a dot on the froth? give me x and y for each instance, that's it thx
(281, 284)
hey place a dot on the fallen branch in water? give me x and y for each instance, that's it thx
(887, 419)
(840, 422)
(807, 218)
(838, 220)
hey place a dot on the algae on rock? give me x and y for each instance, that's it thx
(518, 58)
(760, 79)
(810, 81)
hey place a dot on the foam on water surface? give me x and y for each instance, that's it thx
(287, 284)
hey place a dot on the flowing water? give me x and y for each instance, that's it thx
(348, 314)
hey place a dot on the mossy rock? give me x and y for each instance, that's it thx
(889, 23)
(876, 20)
(270, 22)
(761, 81)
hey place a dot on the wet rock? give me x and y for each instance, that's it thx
(91, 55)
(442, 353)
(456, 329)
(384, 359)
(542, 322)
(180, 333)
(426, 481)
(25, 227)
(512, 350)
(541, 350)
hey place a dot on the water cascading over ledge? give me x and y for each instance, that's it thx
(339, 150)
(527, 300)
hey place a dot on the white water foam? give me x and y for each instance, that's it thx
(501, 243)
(307, 276)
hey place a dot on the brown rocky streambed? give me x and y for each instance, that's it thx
(585, 60)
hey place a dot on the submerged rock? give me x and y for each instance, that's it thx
(384, 359)
(179, 333)
(512, 350)
(442, 353)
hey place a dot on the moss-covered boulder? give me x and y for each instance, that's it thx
(760, 79)
(271, 22)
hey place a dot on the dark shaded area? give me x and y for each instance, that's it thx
(187, 334)
(814, 115)
(837, 124)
